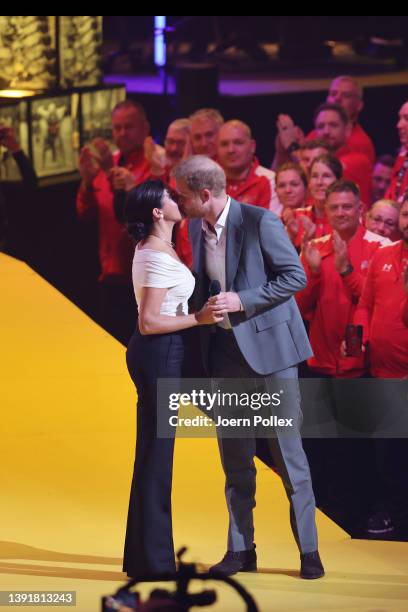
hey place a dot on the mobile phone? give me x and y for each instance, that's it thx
(354, 340)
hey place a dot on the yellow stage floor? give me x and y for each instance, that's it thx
(68, 415)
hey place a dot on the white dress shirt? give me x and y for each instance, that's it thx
(215, 239)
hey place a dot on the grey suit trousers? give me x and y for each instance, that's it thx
(237, 455)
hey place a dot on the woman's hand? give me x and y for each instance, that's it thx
(208, 315)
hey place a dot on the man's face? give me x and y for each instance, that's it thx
(403, 221)
(382, 219)
(343, 212)
(204, 134)
(129, 129)
(307, 157)
(235, 148)
(331, 128)
(345, 93)
(402, 125)
(175, 144)
(190, 203)
(380, 181)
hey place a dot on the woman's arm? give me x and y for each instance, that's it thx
(152, 322)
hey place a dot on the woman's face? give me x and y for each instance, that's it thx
(170, 208)
(321, 177)
(290, 189)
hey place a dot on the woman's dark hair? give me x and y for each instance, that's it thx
(140, 202)
(331, 162)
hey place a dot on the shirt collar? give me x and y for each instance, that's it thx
(221, 221)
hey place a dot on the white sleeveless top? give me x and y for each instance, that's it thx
(158, 269)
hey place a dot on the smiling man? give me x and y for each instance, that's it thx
(336, 266)
(105, 178)
(247, 180)
(332, 125)
(398, 190)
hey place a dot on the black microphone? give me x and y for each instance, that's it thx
(215, 288)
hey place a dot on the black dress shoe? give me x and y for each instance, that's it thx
(233, 562)
(310, 566)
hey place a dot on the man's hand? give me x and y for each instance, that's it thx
(288, 132)
(121, 179)
(309, 228)
(88, 166)
(291, 223)
(155, 155)
(312, 256)
(8, 139)
(341, 256)
(225, 302)
(103, 154)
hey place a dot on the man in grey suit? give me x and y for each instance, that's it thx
(246, 249)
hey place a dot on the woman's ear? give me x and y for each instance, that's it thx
(157, 214)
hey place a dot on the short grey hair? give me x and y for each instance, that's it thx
(181, 124)
(385, 202)
(357, 86)
(208, 113)
(201, 172)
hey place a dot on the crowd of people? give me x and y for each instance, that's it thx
(344, 209)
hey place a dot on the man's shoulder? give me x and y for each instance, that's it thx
(251, 212)
(261, 171)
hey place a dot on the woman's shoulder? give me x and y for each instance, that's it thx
(155, 259)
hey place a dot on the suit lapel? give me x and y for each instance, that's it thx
(197, 242)
(235, 237)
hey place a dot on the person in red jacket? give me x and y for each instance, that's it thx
(333, 126)
(247, 180)
(382, 218)
(177, 146)
(336, 266)
(383, 304)
(311, 150)
(381, 177)
(382, 311)
(291, 189)
(398, 190)
(105, 179)
(345, 92)
(348, 93)
(205, 125)
(311, 220)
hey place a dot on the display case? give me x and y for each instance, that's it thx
(51, 128)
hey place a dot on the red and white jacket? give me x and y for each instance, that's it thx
(329, 301)
(116, 248)
(383, 312)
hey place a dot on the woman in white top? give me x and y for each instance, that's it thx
(162, 287)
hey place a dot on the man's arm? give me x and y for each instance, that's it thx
(283, 262)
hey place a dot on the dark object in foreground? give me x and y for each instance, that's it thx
(179, 600)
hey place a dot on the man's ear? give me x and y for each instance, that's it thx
(205, 195)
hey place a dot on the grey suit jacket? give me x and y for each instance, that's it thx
(263, 267)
